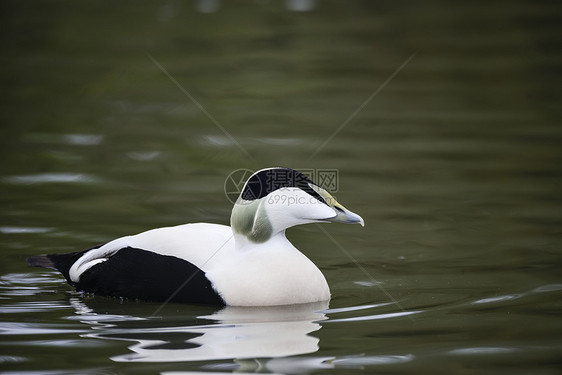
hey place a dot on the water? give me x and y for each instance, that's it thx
(442, 121)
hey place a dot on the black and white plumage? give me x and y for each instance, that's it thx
(250, 263)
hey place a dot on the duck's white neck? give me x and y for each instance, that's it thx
(278, 240)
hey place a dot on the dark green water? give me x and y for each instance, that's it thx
(442, 121)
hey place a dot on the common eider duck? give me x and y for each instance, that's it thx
(250, 263)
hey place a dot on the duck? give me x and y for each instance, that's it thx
(249, 263)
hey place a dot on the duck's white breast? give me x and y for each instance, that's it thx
(268, 276)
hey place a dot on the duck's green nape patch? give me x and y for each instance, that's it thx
(250, 219)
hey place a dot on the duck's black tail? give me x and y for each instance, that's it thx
(59, 262)
(41, 261)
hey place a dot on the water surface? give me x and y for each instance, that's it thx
(441, 120)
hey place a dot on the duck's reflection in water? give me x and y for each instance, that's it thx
(230, 333)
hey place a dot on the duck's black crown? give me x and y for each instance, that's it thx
(266, 181)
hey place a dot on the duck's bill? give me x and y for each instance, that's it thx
(343, 215)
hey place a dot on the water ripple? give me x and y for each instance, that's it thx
(144, 155)
(24, 230)
(29, 307)
(497, 299)
(374, 360)
(26, 284)
(224, 141)
(11, 358)
(356, 308)
(548, 288)
(46, 178)
(482, 350)
(83, 139)
(13, 328)
(375, 317)
(33, 279)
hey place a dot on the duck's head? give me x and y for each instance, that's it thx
(275, 199)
